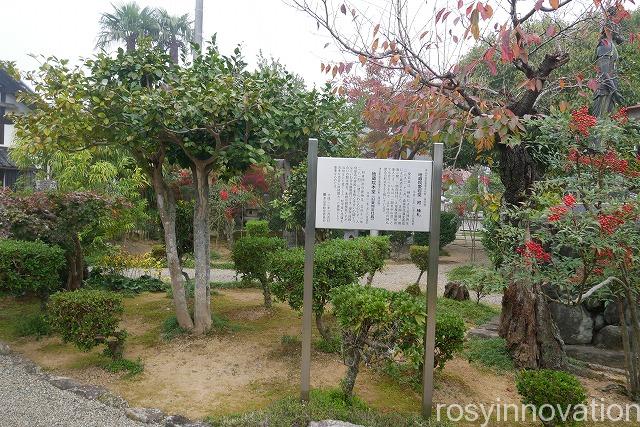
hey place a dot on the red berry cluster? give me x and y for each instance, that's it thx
(609, 223)
(533, 250)
(229, 213)
(610, 161)
(621, 116)
(569, 200)
(224, 195)
(557, 212)
(582, 121)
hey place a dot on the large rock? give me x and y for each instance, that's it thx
(4, 349)
(598, 322)
(593, 305)
(456, 291)
(591, 354)
(609, 337)
(574, 322)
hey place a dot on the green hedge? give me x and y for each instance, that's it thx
(257, 228)
(449, 224)
(88, 318)
(30, 267)
(252, 258)
(547, 387)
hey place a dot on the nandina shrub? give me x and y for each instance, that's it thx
(89, 318)
(252, 258)
(582, 233)
(378, 325)
(552, 393)
(30, 268)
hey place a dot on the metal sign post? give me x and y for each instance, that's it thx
(373, 194)
(309, 242)
(432, 282)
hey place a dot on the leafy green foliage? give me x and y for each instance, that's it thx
(119, 283)
(33, 325)
(257, 228)
(491, 353)
(131, 367)
(471, 313)
(30, 267)
(336, 263)
(449, 224)
(481, 280)
(395, 321)
(322, 405)
(252, 258)
(420, 257)
(546, 387)
(88, 318)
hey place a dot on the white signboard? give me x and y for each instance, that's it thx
(373, 194)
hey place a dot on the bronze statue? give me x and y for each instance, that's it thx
(607, 94)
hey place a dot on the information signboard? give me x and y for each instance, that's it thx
(373, 194)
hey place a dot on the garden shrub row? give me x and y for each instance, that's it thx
(30, 268)
(99, 279)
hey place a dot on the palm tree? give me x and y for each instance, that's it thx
(127, 23)
(175, 33)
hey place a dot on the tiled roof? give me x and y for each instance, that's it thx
(5, 161)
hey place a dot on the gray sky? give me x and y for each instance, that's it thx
(68, 29)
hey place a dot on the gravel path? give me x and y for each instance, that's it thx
(27, 400)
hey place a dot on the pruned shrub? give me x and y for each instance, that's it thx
(89, 318)
(374, 251)
(30, 268)
(257, 228)
(551, 393)
(420, 257)
(449, 224)
(336, 263)
(119, 283)
(379, 325)
(252, 258)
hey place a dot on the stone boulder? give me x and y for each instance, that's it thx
(145, 415)
(574, 322)
(456, 291)
(598, 322)
(609, 337)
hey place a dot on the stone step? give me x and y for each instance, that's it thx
(486, 331)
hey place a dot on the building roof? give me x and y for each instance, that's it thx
(5, 161)
(10, 85)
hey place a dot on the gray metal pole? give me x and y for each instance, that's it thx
(309, 242)
(432, 282)
(197, 31)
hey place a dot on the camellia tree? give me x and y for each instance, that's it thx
(210, 115)
(428, 45)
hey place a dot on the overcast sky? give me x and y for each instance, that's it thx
(68, 29)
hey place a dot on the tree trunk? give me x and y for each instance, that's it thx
(266, 291)
(352, 358)
(370, 278)
(324, 331)
(419, 277)
(75, 265)
(526, 324)
(174, 52)
(629, 359)
(167, 210)
(201, 249)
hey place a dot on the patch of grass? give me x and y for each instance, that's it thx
(13, 311)
(403, 374)
(491, 353)
(322, 405)
(220, 324)
(472, 313)
(171, 329)
(131, 367)
(291, 342)
(34, 325)
(328, 346)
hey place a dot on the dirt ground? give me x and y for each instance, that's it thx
(248, 366)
